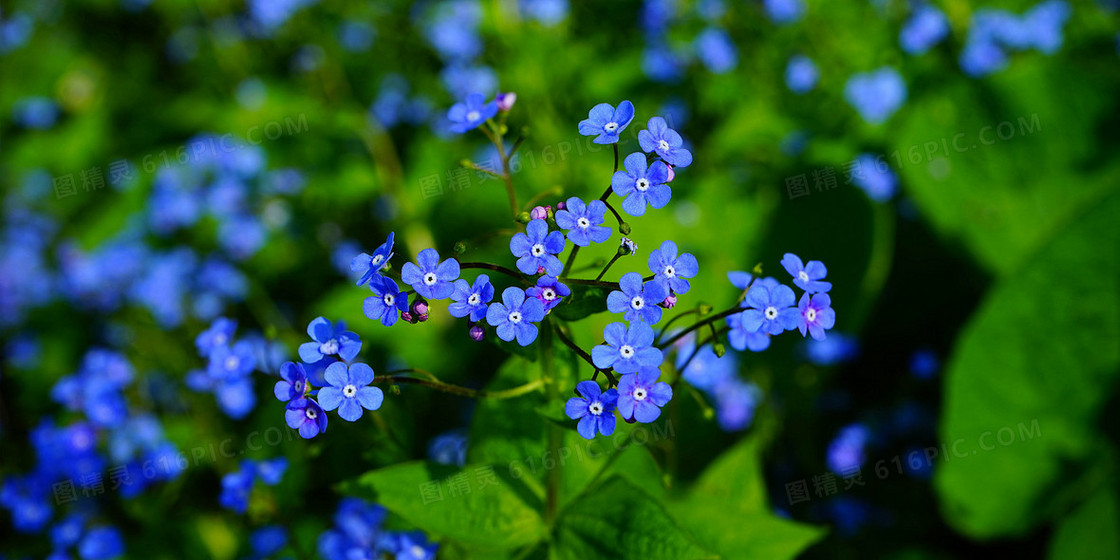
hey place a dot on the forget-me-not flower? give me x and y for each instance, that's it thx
(537, 248)
(627, 349)
(607, 122)
(659, 138)
(638, 184)
(429, 277)
(514, 316)
(594, 409)
(470, 299)
(636, 301)
(584, 222)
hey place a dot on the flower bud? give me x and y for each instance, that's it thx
(459, 247)
(671, 173)
(419, 308)
(561, 206)
(624, 228)
(627, 247)
(476, 333)
(705, 308)
(506, 100)
(407, 317)
(523, 217)
(719, 349)
(539, 213)
(669, 302)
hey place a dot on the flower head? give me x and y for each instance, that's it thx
(220, 333)
(594, 409)
(876, 95)
(537, 249)
(515, 315)
(387, 302)
(638, 184)
(429, 277)
(231, 362)
(470, 113)
(328, 341)
(607, 122)
(584, 222)
(506, 100)
(550, 291)
(636, 301)
(641, 395)
(368, 265)
(671, 269)
(816, 315)
(293, 382)
(771, 310)
(742, 339)
(350, 390)
(470, 299)
(627, 349)
(808, 277)
(305, 415)
(659, 138)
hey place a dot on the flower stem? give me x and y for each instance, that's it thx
(734, 309)
(579, 351)
(610, 207)
(458, 390)
(511, 273)
(571, 257)
(495, 137)
(608, 267)
(665, 327)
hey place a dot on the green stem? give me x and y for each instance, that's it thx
(555, 435)
(608, 267)
(613, 211)
(461, 391)
(508, 272)
(571, 258)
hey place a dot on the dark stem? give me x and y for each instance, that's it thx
(579, 351)
(613, 211)
(608, 267)
(571, 258)
(508, 272)
(615, 146)
(735, 309)
(669, 323)
(461, 391)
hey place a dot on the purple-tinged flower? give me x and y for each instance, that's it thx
(537, 248)
(419, 309)
(846, 451)
(350, 390)
(816, 315)
(328, 341)
(305, 415)
(232, 362)
(669, 302)
(476, 333)
(539, 212)
(637, 302)
(607, 122)
(387, 301)
(659, 138)
(671, 269)
(808, 277)
(641, 395)
(471, 113)
(550, 291)
(771, 310)
(506, 100)
(431, 279)
(627, 350)
(220, 333)
(584, 221)
(471, 300)
(515, 315)
(741, 339)
(369, 265)
(638, 184)
(594, 410)
(293, 382)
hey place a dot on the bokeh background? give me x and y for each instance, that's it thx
(953, 163)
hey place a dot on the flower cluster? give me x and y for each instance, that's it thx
(358, 533)
(229, 365)
(237, 486)
(772, 308)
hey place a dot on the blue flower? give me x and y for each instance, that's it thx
(387, 302)
(270, 471)
(846, 451)
(219, 334)
(101, 543)
(329, 342)
(368, 265)
(515, 315)
(268, 540)
(771, 310)
(665, 142)
(926, 27)
(411, 545)
(471, 300)
(550, 291)
(536, 249)
(835, 349)
(641, 395)
(876, 95)
(801, 74)
(716, 51)
(924, 364)
(671, 270)
(232, 362)
(431, 279)
(627, 350)
(807, 277)
(638, 184)
(293, 382)
(742, 339)
(584, 221)
(815, 315)
(875, 178)
(235, 396)
(305, 415)
(471, 113)
(449, 448)
(350, 390)
(607, 122)
(638, 303)
(35, 112)
(236, 487)
(784, 11)
(594, 409)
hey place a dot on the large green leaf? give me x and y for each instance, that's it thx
(619, 520)
(584, 301)
(1090, 531)
(478, 505)
(1027, 379)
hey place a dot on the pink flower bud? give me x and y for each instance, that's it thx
(561, 206)
(419, 308)
(540, 270)
(476, 333)
(669, 302)
(506, 100)
(538, 213)
(422, 318)
(407, 316)
(671, 173)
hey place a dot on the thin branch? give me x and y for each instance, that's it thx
(462, 391)
(508, 272)
(735, 309)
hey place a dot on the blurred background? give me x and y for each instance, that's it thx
(953, 163)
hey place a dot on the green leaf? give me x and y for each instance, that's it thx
(584, 301)
(476, 505)
(508, 430)
(1028, 377)
(619, 520)
(1090, 531)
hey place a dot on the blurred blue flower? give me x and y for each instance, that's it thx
(838, 348)
(35, 112)
(268, 540)
(877, 94)
(462, 80)
(453, 29)
(875, 178)
(15, 30)
(926, 27)
(784, 11)
(356, 36)
(547, 12)
(101, 543)
(801, 74)
(270, 15)
(449, 448)
(716, 51)
(924, 364)
(846, 452)
(661, 63)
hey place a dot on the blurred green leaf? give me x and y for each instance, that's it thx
(1027, 379)
(1090, 531)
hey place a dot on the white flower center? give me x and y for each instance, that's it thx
(583, 223)
(596, 408)
(670, 271)
(417, 551)
(220, 339)
(642, 185)
(637, 302)
(811, 314)
(298, 385)
(803, 276)
(663, 145)
(349, 391)
(771, 312)
(515, 317)
(430, 278)
(639, 394)
(537, 250)
(390, 299)
(473, 116)
(549, 294)
(310, 413)
(232, 362)
(329, 347)
(376, 260)
(610, 127)
(474, 300)
(626, 351)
